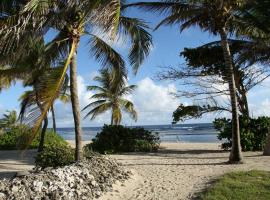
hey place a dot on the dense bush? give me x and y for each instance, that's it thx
(253, 132)
(114, 139)
(55, 155)
(9, 138)
(17, 135)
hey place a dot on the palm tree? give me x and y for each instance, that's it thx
(110, 96)
(9, 120)
(73, 20)
(34, 97)
(219, 17)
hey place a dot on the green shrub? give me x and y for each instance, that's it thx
(114, 139)
(16, 136)
(55, 155)
(9, 139)
(253, 132)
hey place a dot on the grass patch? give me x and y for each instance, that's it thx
(249, 185)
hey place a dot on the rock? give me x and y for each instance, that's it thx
(84, 180)
(15, 189)
(22, 173)
(2, 196)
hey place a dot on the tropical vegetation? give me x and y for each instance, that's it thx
(253, 132)
(224, 19)
(117, 138)
(49, 64)
(8, 120)
(111, 96)
(71, 20)
(55, 155)
(15, 137)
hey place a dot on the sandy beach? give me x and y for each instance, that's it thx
(177, 171)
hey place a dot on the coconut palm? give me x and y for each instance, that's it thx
(110, 96)
(219, 17)
(9, 120)
(74, 20)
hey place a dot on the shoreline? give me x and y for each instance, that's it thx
(84, 142)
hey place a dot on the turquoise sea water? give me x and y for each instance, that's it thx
(202, 133)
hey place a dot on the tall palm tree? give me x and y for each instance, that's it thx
(110, 96)
(73, 20)
(219, 17)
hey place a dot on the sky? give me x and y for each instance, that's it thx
(152, 98)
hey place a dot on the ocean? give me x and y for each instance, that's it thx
(200, 133)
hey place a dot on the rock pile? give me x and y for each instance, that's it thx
(84, 180)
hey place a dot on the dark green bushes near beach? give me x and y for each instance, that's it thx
(253, 132)
(55, 155)
(117, 138)
(16, 136)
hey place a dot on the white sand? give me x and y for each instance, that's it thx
(180, 170)
(176, 172)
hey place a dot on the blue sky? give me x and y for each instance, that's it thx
(152, 99)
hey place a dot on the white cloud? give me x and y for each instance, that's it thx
(153, 103)
(260, 108)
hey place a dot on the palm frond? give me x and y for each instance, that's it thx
(128, 107)
(93, 104)
(141, 40)
(106, 55)
(50, 88)
(98, 110)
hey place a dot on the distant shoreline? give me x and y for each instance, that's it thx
(170, 144)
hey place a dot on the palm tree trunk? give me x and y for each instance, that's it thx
(75, 105)
(45, 123)
(42, 135)
(266, 151)
(236, 154)
(112, 119)
(53, 119)
(44, 127)
(246, 112)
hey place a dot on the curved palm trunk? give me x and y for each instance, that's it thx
(75, 104)
(235, 155)
(53, 119)
(43, 130)
(45, 124)
(42, 135)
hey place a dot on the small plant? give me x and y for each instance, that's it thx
(118, 138)
(55, 156)
(253, 132)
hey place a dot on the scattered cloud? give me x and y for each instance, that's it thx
(153, 103)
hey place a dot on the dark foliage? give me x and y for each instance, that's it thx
(55, 155)
(183, 112)
(14, 137)
(253, 132)
(118, 138)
